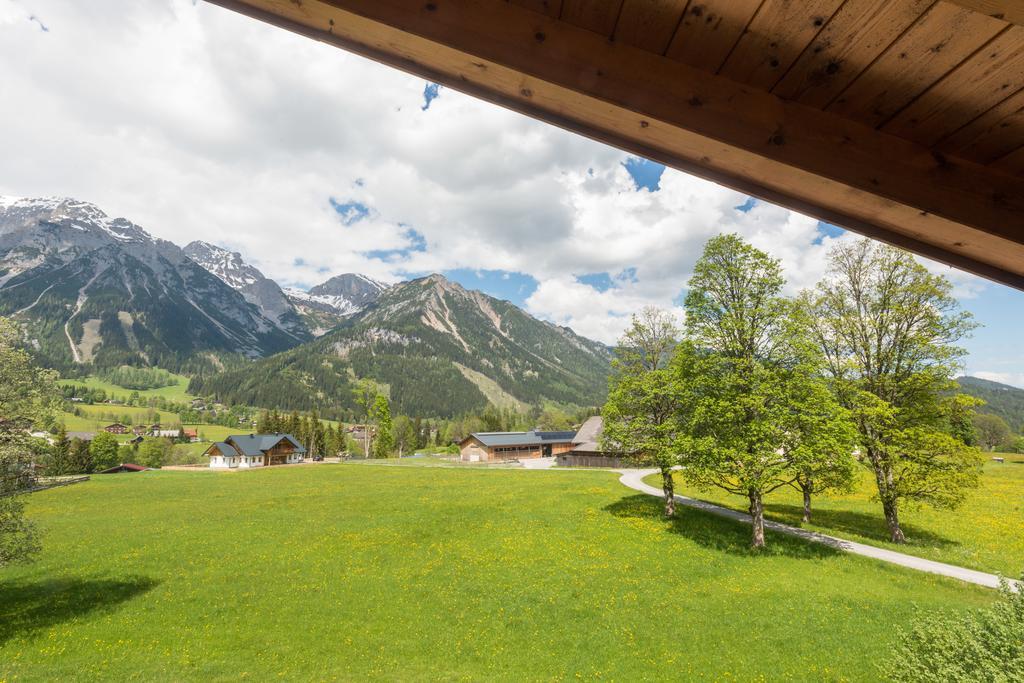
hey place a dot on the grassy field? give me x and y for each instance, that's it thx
(986, 533)
(358, 571)
(175, 392)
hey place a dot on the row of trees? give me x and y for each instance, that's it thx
(761, 391)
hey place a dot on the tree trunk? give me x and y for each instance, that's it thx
(668, 486)
(892, 518)
(756, 518)
(883, 478)
(807, 503)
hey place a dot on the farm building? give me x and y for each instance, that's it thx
(586, 448)
(483, 446)
(255, 450)
(116, 428)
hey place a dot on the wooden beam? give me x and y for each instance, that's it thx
(814, 162)
(1007, 10)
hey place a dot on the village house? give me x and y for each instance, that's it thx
(255, 450)
(191, 434)
(140, 430)
(116, 428)
(487, 446)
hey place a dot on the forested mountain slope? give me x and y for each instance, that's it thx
(1000, 399)
(441, 349)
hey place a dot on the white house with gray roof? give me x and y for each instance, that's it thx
(245, 451)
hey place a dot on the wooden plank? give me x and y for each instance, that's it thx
(775, 38)
(649, 24)
(1007, 10)
(598, 16)
(858, 33)
(1012, 162)
(931, 48)
(976, 85)
(709, 30)
(816, 163)
(992, 135)
(552, 8)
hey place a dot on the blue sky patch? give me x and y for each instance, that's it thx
(431, 91)
(602, 282)
(747, 205)
(350, 211)
(415, 242)
(827, 230)
(646, 174)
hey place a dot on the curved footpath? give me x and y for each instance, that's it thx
(634, 480)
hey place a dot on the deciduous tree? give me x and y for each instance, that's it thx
(639, 413)
(384, 443)
(992, 431)
(27, 396)
(757, 413)
(103, 450)
(888, 329)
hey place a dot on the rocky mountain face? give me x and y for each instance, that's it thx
(90, 288)
(260, 291)
(327, 305)
(439, 348)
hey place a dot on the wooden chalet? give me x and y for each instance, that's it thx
(255, 450)
(116, 428)
(488, 446)
(899, 119)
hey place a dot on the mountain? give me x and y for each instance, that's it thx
(93, 289)
(1000, 399)
(327, 305)
(441, 349)
(260, 291)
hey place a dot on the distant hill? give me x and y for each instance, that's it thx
(1000, 399)
(443, 350)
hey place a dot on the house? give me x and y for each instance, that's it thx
(81, 436)
(586, 448)
(255, 450)
(140, 430)
(191, 434)
(167, 433)
(116, 428)
(124, 467)
(485, 446)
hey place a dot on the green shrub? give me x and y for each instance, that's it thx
(987, 645)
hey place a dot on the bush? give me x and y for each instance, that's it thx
(987, 645)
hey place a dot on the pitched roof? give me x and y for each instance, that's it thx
(531, 438)
(124, 467)
(258, 444)
(588, 438)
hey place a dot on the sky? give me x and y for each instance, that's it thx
(199, 123)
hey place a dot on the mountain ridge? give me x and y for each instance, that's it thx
(88, 288)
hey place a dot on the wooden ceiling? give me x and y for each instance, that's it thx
(898, 119)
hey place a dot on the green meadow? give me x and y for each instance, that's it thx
(358, 571)
(986, 532)
(175, 392)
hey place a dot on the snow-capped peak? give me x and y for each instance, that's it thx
(227, 265)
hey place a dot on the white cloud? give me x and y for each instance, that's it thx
(199, 123)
